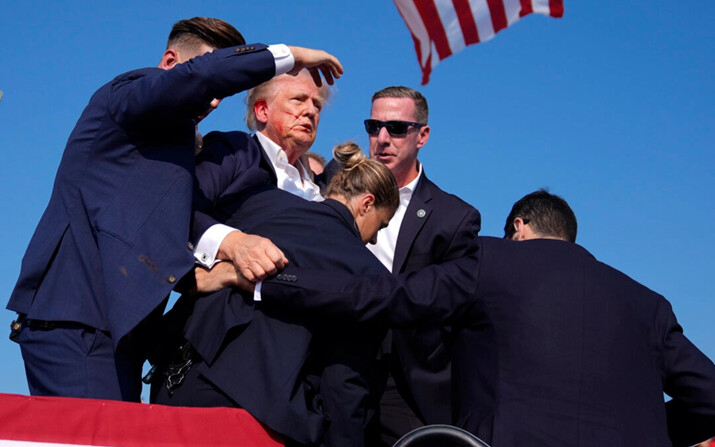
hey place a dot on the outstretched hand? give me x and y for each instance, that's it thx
(316, 61)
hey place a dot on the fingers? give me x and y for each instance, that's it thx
(328, 75)
(316, 76)
(316, 61)
(256, 257)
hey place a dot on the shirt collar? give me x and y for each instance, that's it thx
(276, 153)
(272, 149)
(409, 189)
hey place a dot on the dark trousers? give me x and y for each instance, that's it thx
(73, 360)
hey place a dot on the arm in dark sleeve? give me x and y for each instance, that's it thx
(430, 296)
(227, 167)
(689, 378)
(465, 237)
(185, 91)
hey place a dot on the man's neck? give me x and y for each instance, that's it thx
(404, 179)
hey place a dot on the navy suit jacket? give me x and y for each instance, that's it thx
(437, 227)
(115, 235)
(553, 348)
(292, 373)
(230, 165)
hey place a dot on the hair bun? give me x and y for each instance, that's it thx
(349, 155)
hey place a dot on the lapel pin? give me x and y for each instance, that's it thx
(421, 213)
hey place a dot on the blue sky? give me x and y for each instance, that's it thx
(611, 107)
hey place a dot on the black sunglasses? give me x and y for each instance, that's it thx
(394, 128)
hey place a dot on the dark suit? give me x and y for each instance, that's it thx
(230, 164)
(299, 376)
(114, 238)
(437, 227)
(552, 347)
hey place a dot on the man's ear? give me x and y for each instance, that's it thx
(366, 202)
(519, 233)
(169, 59)
(260, 109)
(423, 136)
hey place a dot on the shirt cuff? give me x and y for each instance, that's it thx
(257, 291)
(209, 243)
(283, 58)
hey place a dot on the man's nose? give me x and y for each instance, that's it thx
(310, 109)
(383, 136)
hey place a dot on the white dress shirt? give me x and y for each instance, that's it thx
(291, 179)
(384, 249)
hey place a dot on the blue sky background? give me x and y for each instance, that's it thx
(612, 107)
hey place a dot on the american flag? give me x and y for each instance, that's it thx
(29, 421)
(441, 28)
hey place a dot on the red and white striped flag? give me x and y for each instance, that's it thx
(29, 421)
(441, 28)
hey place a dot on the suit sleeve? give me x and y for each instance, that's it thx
(141, 103)
(226, 169)
(465, 238)
(689, 378)
(430, 296)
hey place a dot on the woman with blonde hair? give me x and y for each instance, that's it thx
(307, 379)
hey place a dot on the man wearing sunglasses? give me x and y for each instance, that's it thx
(429, 227)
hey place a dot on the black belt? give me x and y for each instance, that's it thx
(22, 320)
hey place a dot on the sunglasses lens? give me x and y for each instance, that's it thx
(396, 127)
(372, 127)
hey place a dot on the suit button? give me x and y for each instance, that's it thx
(171, 279)
(293, 278)
(190, 246)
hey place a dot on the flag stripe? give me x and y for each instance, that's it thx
(512, 8)
(466, 21)
(451, 25)
(557, 8)
(430, 17)
(526, 8)
(498, 14)
(91, 422)
(482, 16)
(420, 37)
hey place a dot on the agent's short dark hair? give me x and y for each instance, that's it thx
(398, 91)
(216, 33)
(548, 214)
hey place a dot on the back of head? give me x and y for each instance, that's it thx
(548, 215)
(398, 91)
(191, 34)
(361, 175)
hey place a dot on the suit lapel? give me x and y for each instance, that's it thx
(267, 161)
(418, 211)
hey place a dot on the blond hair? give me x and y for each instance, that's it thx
(361, 175)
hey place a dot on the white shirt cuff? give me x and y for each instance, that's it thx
(209, 243)
(257, 291)
(283, 58)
